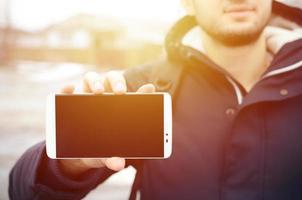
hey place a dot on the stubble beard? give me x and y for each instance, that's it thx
(230, 37)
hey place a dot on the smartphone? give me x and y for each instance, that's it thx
(132, 126)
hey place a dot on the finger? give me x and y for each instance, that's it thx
(79, 87)
(117, 82)
(86, 87)
(147, 88)
(115, 163)
(68, 89)
(93, 82)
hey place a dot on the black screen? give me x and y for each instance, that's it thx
(109, 125)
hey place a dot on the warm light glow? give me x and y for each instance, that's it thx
(37, 14)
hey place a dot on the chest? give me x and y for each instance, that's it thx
(214, 145)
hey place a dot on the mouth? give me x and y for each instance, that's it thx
(239, 9)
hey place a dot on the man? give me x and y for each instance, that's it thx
(237, 111)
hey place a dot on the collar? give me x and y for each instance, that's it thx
(276, 36)
(183, 43)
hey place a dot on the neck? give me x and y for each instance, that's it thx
(245, 63)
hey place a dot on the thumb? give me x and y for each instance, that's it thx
(115, 163)
(68, 89)
(147, 88)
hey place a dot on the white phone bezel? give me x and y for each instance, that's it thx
(167, 125)
(50, 127)
(51, 124)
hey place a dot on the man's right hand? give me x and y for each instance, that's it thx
(114, 82)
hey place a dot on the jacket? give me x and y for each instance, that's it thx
(227, 143)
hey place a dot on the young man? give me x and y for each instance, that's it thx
(237, 111)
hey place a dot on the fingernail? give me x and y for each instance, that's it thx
(119, 87)
(98, 87)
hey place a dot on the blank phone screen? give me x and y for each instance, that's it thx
(110, 125)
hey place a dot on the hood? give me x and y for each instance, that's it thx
(285, 26)
(284, 30)
(291, 10)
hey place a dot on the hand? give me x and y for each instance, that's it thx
(112, 81)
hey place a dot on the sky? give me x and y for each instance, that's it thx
(33, 15)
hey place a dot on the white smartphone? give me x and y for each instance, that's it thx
(132, 126)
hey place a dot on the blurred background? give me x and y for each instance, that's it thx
(45, 44)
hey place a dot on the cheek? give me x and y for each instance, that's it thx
(207, 10)
(265, 12)
(206, 7)
(206, 18)
(266, 7)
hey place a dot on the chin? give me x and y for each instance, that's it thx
(235, 33)
(239, 39)
(241, 26)
(242, 30)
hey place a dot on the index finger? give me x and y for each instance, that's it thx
(117, 82)
(93, 82)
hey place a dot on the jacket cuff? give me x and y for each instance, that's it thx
(50, 179)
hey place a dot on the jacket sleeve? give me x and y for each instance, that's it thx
(35, 176)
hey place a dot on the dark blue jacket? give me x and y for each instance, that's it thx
(227, 144)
